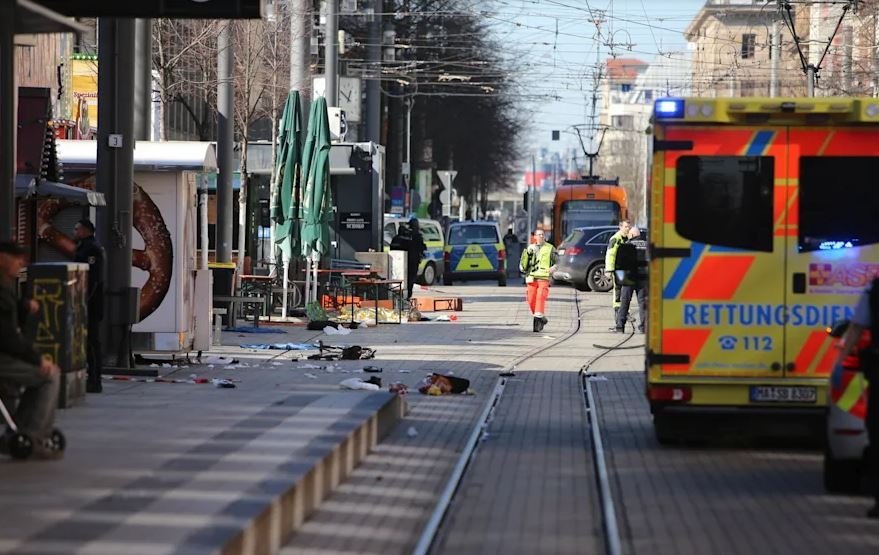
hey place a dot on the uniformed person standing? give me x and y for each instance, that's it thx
(866, 317)
(617, 239)
(538, 263)
(90, 252)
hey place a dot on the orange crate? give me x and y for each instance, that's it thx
(438, 304)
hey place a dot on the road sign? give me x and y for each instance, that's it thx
(447, 177)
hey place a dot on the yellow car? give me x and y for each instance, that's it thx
(474, 250)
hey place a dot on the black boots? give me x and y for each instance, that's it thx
(539, 322)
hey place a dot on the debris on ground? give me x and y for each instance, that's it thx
(223, 383)
(216, 360)
(399, 388)
(372, 369)
(329, 330)
(278, 346)
(446, 318)
(354, 352)
(412, 432)
(439, 384)
(357, 383)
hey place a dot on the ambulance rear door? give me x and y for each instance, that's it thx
(722, 294)
(831, 225)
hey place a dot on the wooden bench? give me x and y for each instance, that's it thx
(234, 300)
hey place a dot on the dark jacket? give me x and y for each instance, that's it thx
(12, 314)
(89, 251)
(412, 242)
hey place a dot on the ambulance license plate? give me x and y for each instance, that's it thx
(473, 255)
(783, 394)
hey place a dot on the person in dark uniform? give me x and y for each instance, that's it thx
(89, 251)
(409, 239)
(866, 317)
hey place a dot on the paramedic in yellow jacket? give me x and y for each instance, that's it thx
(537, 263)
(610, 258)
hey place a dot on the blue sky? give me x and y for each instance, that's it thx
(553, 42)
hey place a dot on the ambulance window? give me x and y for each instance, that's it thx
(726, 200)
(847, 217)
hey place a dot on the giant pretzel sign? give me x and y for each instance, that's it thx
(156, 258)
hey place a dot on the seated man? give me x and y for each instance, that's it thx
(21, 367)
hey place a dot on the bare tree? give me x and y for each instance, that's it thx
(184, 58)
(276, 62)
(251, 85)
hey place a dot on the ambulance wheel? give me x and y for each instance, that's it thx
(663, 429)
(428, 277)
(59, 442)
(597, 280)
(447, 279)
(841, 475)
(20, 446)
(502, 280)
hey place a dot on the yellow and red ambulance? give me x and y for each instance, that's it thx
(763, 232)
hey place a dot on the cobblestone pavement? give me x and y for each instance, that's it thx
(720, 499)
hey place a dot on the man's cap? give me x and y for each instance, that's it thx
(12, 248)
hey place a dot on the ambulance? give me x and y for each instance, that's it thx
(763, 232)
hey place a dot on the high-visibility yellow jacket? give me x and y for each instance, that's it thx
(536, 261)
(610, 257)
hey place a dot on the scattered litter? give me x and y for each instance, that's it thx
(450, 373)
(223, 383)
(329, 369)
(219, 360)
(310, 375)
(354, 352)
(193, 376)
(336, 331)
(412, 432)
(446, 318)
(277, 364)
(210, 365)
(507, 374)
(308, 367)
(597, 378)
(278, 346)
(404, 371)
(154, 365)
(364, 324)
(372, 369)
(438, 384)
(357, 383)
(253, 329)
(399, 388)
(548, 337)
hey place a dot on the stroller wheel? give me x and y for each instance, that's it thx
(59, 442)
(20, 446)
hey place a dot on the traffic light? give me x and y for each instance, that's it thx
(189, 9)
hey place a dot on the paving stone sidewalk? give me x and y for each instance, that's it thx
(146, 459)
(385, 505)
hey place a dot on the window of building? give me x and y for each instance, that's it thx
(845, 217)
(626, 87)
(623, 122)
(648, 95)
(749, 45)
(726, 200)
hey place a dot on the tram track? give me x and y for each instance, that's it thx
(431, 530)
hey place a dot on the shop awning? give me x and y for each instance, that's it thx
(33, 18)
(29, 186)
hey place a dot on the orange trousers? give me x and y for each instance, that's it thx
(538, 292)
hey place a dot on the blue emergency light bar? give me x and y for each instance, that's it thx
(669, 108)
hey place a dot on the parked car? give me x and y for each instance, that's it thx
(581, 258)
(430, 270)
(474, 250)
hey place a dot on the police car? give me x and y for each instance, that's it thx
(430, 269)
(474, 250)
